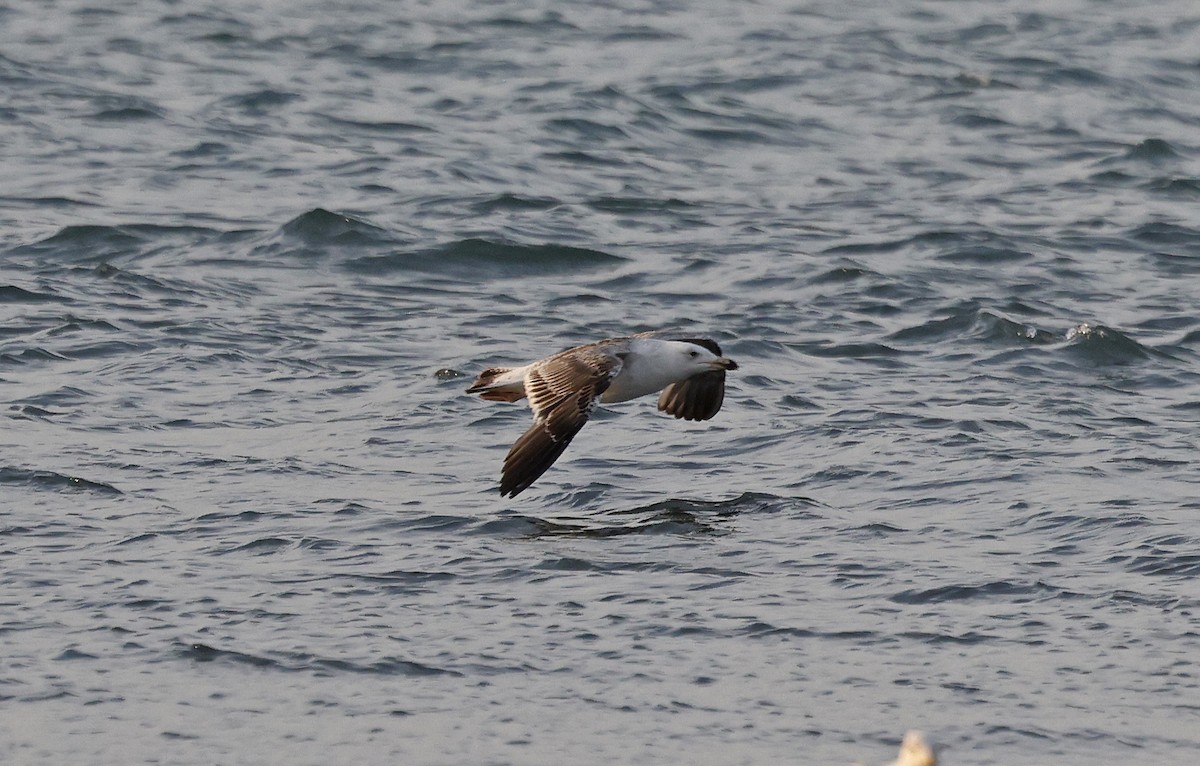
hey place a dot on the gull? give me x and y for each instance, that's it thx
(565, 389)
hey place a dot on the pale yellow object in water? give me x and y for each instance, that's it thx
(914, 751)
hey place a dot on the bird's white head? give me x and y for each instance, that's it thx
(701, 356)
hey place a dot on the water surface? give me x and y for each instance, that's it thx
(251, 255)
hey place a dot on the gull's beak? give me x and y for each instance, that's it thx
(722, 363)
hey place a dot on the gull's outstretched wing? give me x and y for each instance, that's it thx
(696, 398)
(563, 391)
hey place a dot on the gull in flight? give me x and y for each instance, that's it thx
(564, 389)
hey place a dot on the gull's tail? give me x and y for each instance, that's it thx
(500, 384)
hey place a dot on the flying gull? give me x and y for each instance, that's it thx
(564, 389)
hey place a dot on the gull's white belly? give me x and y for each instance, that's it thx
(634, 381)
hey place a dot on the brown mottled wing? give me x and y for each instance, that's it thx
(562, 391)
(696, 398)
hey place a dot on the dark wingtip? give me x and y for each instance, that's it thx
(509, 488)
(533, 454)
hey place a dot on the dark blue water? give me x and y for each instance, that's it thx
(251, 255)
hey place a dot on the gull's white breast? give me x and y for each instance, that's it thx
(648, 367)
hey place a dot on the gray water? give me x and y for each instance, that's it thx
(251, 255)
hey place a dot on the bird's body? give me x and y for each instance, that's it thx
(564, 389)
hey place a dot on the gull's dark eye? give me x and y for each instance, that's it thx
(693, 354)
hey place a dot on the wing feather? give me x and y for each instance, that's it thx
(563, 391)
(696, 398)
